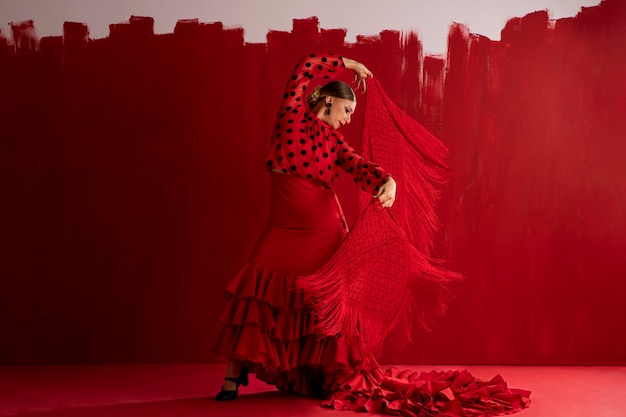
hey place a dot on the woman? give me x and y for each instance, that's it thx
(268, 328)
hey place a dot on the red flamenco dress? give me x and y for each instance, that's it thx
(310, 309)
(267, 323)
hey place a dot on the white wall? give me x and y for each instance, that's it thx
(429, 18)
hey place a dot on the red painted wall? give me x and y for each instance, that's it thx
(133, 184)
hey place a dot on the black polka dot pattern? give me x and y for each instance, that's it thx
(304, 145)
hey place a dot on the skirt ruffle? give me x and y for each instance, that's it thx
(266, 323)
(426, 394)
(268, 326)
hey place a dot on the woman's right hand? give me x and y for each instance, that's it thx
(361, 72)
(387, 193)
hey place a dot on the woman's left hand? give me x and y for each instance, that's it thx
(361, 72)
(387, 193)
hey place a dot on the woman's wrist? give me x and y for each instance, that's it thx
(347, 61)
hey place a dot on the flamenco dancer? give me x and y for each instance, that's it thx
(288, 318)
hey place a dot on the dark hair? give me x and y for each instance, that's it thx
(337, 89)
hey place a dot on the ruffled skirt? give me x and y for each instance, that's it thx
(266, 323)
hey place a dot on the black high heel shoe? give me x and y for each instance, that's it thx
(229, 395)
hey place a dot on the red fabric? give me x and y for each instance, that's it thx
(375, 280)
(402, 145)
(304, 145)
(445, 394)
(382, 274)
(266, 322)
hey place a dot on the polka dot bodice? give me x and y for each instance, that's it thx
(306, 146)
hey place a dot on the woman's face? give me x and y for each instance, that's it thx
(340, 112)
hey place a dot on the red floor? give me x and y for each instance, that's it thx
(187, 390)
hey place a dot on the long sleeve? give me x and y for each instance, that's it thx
(368, 175)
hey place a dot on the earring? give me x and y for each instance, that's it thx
(328, 107)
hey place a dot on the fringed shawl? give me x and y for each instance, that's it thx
(383, 276)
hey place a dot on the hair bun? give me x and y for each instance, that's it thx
(315, 96)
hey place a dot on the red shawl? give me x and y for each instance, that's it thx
(383, 276)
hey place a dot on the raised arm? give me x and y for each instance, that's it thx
(310, 67)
